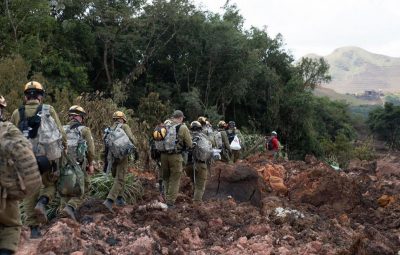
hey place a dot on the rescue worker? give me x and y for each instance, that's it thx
(232, 131)
(10, 219)
(119, 167)
(274, 146)
(222, 141)
(196, 169)
(35, 205)
(172, 160)
(78, 135)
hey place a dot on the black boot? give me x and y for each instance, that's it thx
(35, 232)
(109, 204)
(40, 208)
(70, 211)
(120, 201)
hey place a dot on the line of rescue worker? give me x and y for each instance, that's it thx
(65, 158)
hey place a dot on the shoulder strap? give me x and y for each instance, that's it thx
(22, 117)
(45, 108)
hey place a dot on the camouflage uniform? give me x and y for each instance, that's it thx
(197, 171)
(236, 154)
(49, 179)
(226, 151)
(86, 134)
(172, 164)
(10, 220)
(120, 167)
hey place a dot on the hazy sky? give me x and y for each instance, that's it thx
(320, 26)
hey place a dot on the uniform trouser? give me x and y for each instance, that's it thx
(119, 171)
(10, 226)
(48, 190)
(225, 155)
(75, 202)
(198, 174)
(236, 155)
(171, 165)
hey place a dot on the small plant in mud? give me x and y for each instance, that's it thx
(365, 150)
(101, 183)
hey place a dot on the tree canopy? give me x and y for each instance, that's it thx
(169, 54)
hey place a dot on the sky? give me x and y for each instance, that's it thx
(321, 26)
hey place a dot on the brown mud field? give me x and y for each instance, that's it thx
(252, 207)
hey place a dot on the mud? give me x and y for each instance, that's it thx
(324, 211)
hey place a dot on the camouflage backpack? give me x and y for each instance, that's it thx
(203, 150)
(42, 131)
(169, 143)
(19, 173)
(118, 142)
(218, 139)
(77, 146)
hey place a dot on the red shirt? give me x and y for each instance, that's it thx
(275, 143)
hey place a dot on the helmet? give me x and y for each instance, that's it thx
(76, 110)
(274, 133)
(159, 133)
(119, 115)
(221, 124)
(33, 87)
(232, 124)
(168, 122)
(195, 125)
(3, 102)
(202, 120)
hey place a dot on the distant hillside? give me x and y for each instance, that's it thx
(352, 100)
(355, 70)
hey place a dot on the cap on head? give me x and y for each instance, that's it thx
(232, 124)
(3, 102)
(33, 87)
(119, 115)
(195, 125)
(178, 114)
(76, 110)
(274, 133)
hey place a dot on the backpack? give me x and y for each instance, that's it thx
(19, 173)
(270, 145)
(218, 139)
(77, 146)
(118, 142)
(169, 143)
(203, 150)
(71, 182)
(42, 130)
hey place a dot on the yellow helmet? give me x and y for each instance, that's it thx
(33, 86)
(159, 133)
(76, 110)
(195, 125)
(221, 124)
(119, 115)
(3, 102)
(202, 120)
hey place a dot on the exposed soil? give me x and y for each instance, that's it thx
(252, 207)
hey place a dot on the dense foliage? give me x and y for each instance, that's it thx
(385, 122)
(153, 57)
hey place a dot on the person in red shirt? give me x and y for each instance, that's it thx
(273, 146)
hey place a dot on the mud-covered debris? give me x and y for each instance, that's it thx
(155, 205)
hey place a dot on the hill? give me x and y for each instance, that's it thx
(355, 70)
(352, 100)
